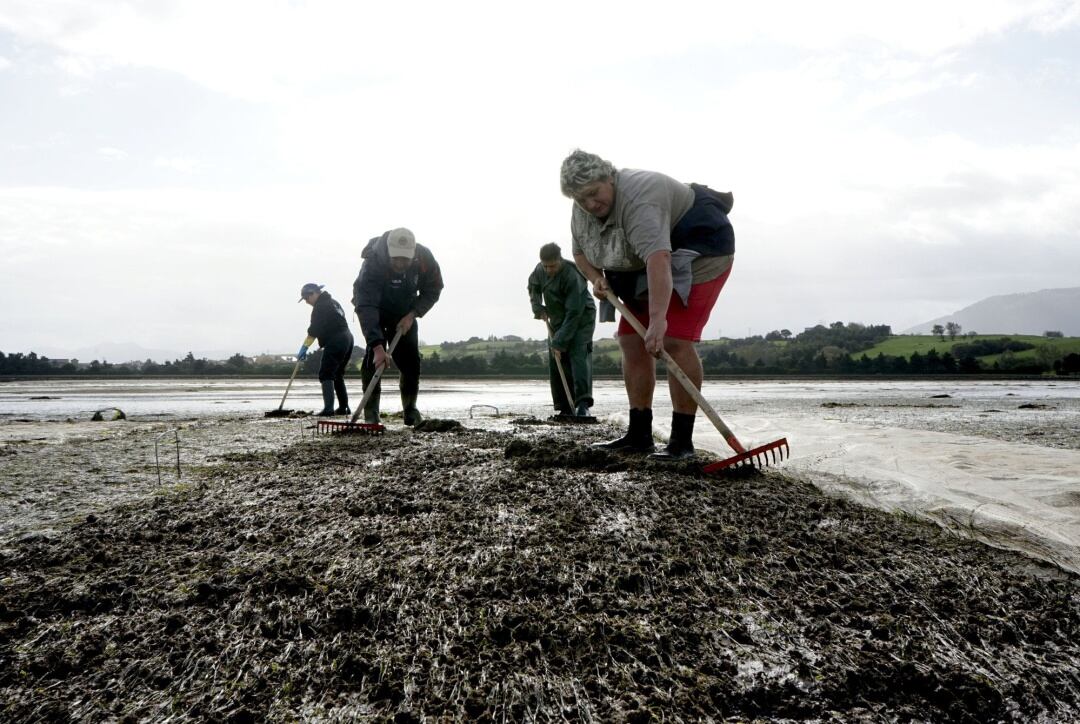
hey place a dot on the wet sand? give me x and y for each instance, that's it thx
(507, 573)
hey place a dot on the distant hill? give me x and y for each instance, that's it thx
(1032, 313)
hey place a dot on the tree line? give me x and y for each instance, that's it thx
(831, 350)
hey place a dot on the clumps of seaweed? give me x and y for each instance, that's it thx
(109, 413)
(927, 405)
(529, 421)
(558, 452)
(435, 424)
(424, 577)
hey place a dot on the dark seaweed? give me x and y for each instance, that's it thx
(484, 575)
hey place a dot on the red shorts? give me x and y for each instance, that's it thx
(683, 322)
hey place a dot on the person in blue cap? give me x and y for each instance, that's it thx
(330, 326)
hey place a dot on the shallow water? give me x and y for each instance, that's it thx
(455, 397)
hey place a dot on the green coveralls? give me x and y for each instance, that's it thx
(572, 316)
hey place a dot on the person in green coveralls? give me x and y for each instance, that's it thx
(560, 297)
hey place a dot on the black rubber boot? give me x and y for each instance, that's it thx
(681, 443)
(342, 398)
(328, 398)
(371, 409)
(638, 438)
(410, 415)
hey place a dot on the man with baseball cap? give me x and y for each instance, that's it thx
(331, 327)
(399, 282)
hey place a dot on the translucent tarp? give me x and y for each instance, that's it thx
(1006, 494)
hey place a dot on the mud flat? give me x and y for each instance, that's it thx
(517, 575)
(55, 471)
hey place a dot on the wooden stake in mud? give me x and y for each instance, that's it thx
(758, 456)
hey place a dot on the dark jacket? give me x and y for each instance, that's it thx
(380, 295)
(566, 299)
(705, 228)
(328, 320)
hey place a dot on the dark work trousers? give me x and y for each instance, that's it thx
(577, 364)
(335, 360)
(406, 358)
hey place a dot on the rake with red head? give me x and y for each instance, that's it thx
(760, 456)
(333, 427)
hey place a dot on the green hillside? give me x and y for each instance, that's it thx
(607, 348)
(1060, 347)
(487, 348)
(906, 345)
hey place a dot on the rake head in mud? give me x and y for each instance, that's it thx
(759, 457)
(334, 427)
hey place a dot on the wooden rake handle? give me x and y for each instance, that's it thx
(558, 365)
(374, 380)
(686, 382)
(293, 377)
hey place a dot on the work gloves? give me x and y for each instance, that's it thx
(302, 354)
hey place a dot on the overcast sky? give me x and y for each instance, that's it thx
(171, 173)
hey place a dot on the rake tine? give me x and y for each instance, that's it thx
(759, 457)
(334, 427)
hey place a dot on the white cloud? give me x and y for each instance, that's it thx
(452, 118)
(112, 154)
(177, 163)
(4, 63)
(80, 66)
(274, 51)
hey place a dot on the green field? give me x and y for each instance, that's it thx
(486, 348)
(906, 345)
(1062, 347)
(896, 346)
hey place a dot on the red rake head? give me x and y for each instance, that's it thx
(759, 456)
(333, 427)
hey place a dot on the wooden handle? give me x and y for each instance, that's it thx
(374, 381)
(686, 382)
(558, 365)
(291, 378)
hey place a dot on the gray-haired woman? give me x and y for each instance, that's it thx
(665, 248)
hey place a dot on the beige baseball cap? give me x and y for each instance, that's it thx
(401, 243)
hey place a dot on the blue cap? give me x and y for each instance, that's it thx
(310, 288)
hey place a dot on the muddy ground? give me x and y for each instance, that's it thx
(54, 471)
(481, 574)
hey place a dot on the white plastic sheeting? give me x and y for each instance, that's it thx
(1012, 495)
(877, 448)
